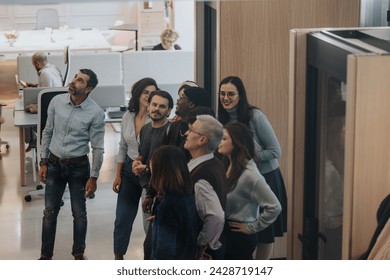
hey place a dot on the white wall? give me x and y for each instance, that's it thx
(83, 14)
(185, 23)
(20, 15)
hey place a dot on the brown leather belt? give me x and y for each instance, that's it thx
(68, 161)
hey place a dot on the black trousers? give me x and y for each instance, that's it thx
(239, 246)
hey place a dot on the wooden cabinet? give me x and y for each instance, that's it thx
(151, 23)
(367, 157)
(322, 63)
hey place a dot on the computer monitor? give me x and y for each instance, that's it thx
(109, 96)
(30, 95)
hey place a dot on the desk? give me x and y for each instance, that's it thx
(19, 105)
(22, 120)
(31, 41)
(128, 27)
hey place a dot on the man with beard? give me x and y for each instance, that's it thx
(152, 134)
(48, 74)
(151, 137)
(74, 121)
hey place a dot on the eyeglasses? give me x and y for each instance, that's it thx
(229, 94)
(169, 41)
(191, 130)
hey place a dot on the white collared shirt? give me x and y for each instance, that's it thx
(209, 208)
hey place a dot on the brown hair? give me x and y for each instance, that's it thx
(243, 151)
(170, 174)
(136, 92)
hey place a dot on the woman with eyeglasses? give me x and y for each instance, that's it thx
(233, 106)
(247, 191)
(126, 183)
(168, 41)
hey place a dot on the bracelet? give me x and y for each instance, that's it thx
(43, 162)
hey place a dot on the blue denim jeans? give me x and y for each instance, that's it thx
(58, 176)
(126, 208)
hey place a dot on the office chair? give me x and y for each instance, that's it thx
(47, 18)
(44, 98)
(67, 62)
(1, 122)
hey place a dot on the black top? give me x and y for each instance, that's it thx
(159, 47)
(150, 139)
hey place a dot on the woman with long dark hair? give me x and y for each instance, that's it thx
(233, 106)
(126, 184)
(174, 227)
(247, 191)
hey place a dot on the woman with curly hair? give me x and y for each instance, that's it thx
(126, 183)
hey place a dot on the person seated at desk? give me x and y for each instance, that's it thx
(168, 40)
(48, 74)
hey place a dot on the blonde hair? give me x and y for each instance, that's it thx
(169, 34)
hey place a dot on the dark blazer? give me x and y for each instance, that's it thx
(175, 229)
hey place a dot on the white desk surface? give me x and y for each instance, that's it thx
(54, 40)
(24, 119)
(19, 105)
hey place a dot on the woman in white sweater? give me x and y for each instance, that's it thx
(247, 192)
(126, 183)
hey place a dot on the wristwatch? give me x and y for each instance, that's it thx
(43, 162)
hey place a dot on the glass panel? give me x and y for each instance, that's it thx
(331, 143)
(373, 12)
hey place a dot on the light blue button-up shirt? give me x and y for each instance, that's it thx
(70, 128)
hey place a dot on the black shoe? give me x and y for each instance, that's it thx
(31, 145)
(80, 257)
(44, 258)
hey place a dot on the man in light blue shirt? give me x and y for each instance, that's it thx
(74, 122)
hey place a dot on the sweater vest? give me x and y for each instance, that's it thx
(214, 173)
